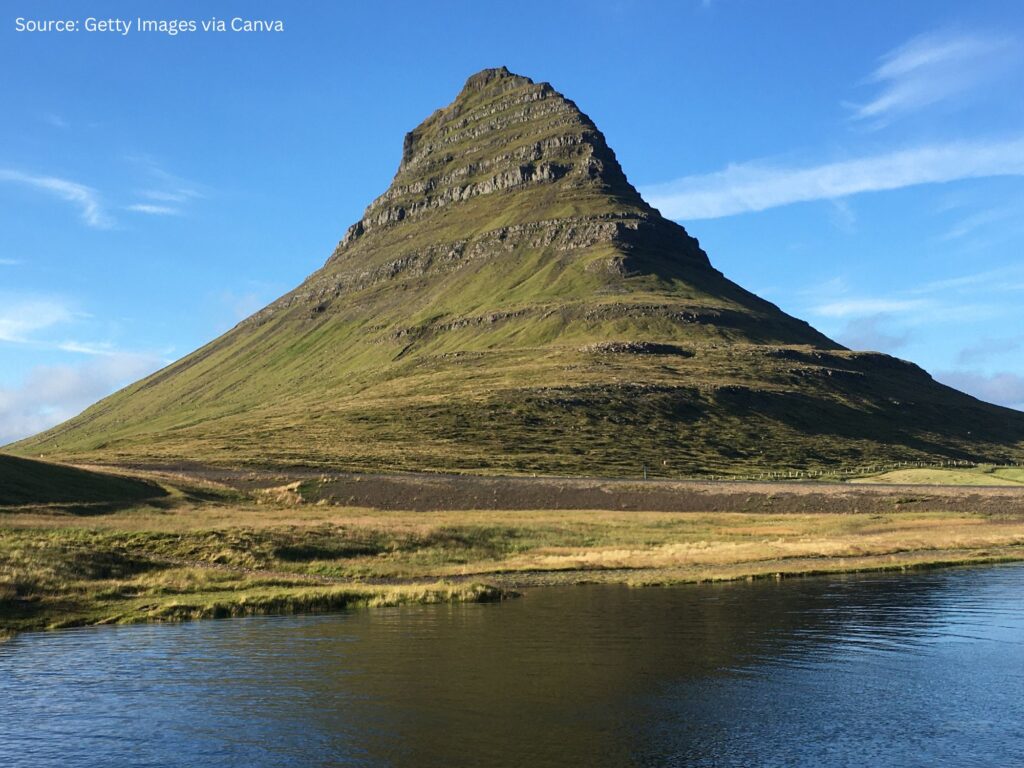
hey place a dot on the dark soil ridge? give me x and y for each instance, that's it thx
(443, 492)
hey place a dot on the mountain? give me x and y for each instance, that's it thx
(512, 304)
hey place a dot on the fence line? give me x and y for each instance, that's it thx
(867, 469)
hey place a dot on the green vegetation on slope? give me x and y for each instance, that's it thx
(510, 304)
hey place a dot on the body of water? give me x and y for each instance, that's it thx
(921, 669)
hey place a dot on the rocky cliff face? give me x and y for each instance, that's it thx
(511, 303)
(506, 134)
(512, 166)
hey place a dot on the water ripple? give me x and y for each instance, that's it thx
(909, 670)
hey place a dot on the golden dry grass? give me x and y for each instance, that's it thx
(213, 552)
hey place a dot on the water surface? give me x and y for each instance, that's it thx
(897, 670)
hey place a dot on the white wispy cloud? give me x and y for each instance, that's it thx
(889, 321)
(866, 306)
(86, 199)
(872, 333)
(10, 262)
(166, 197)
(912, 312)
(832, 287)
(759, 185)
(985, 349)
(21, 318)
(985, 281)
(932, 68)
(33, 322)
(88, 347)
(978, 220)
(843, 216)
(166, 189)
(155, 210)
(50, 394)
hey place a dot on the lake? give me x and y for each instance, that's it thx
(916, 669)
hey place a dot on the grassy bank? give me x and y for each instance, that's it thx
(203, 551)
(28, 481)
(58, 571)
(982, 475)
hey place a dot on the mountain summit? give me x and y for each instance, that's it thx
(511, 303)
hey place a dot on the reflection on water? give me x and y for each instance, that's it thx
(902, 670)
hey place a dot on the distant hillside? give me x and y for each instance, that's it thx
(511, 304)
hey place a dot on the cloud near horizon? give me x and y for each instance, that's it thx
(1002, 388)
(987, 348)
(86, 199)
(50, 394)
(870, 333)
(758, 186)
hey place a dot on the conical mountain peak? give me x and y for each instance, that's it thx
(503, 133)
(511, 303)
(510, 167)
(494, 78)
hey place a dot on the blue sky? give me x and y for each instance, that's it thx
(861, 164)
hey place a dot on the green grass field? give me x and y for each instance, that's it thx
(981, 476)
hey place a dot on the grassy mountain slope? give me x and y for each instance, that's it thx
(511, 304)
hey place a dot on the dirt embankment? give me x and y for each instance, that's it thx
(434, 492)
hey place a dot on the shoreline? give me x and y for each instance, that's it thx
(206, 548)
(332, 597)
